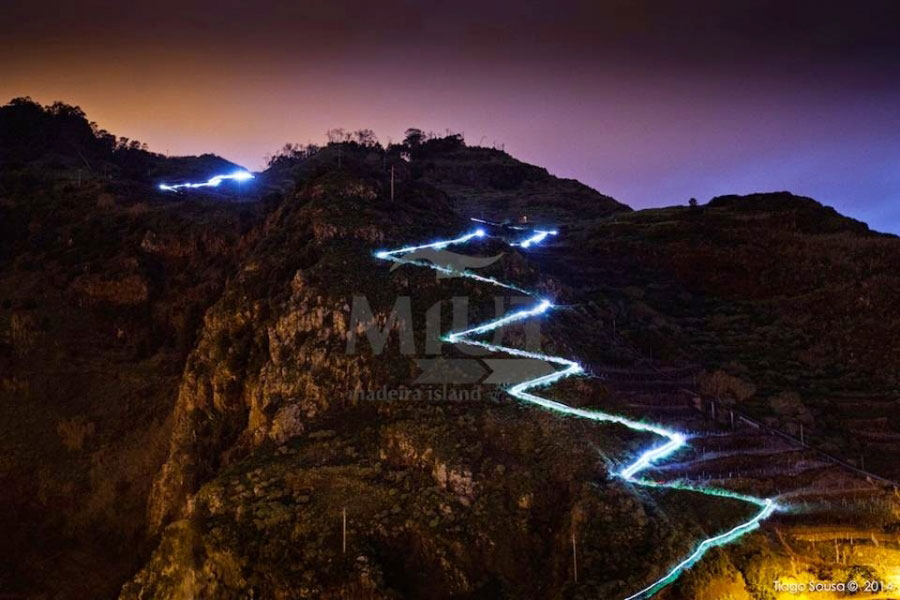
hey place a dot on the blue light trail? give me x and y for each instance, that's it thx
(213, 182)
(538, 237)
(646, 459)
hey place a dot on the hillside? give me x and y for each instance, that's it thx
(187, 418)
(103, 285)
(790, 299)
(490, 184)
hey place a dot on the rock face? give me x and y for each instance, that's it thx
(131, 290)
(271, 358)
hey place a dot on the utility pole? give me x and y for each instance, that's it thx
(574, 558)
(344, 518)
(392, 183)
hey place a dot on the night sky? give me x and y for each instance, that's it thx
(650, 102)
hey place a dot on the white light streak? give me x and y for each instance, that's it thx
(646, 459)
(213, 182)
(537, 237)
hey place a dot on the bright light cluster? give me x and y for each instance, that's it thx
(537, 237)
(570, 368)
(214, 182)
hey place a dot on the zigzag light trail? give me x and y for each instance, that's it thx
(570, 368)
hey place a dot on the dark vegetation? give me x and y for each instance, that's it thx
(58, 141)
(103, 286)
(788, 306)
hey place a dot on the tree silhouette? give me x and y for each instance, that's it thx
(414, 138)
(365, 138)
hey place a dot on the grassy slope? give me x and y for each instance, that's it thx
(789, 297)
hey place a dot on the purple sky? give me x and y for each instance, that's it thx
(650, 102)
